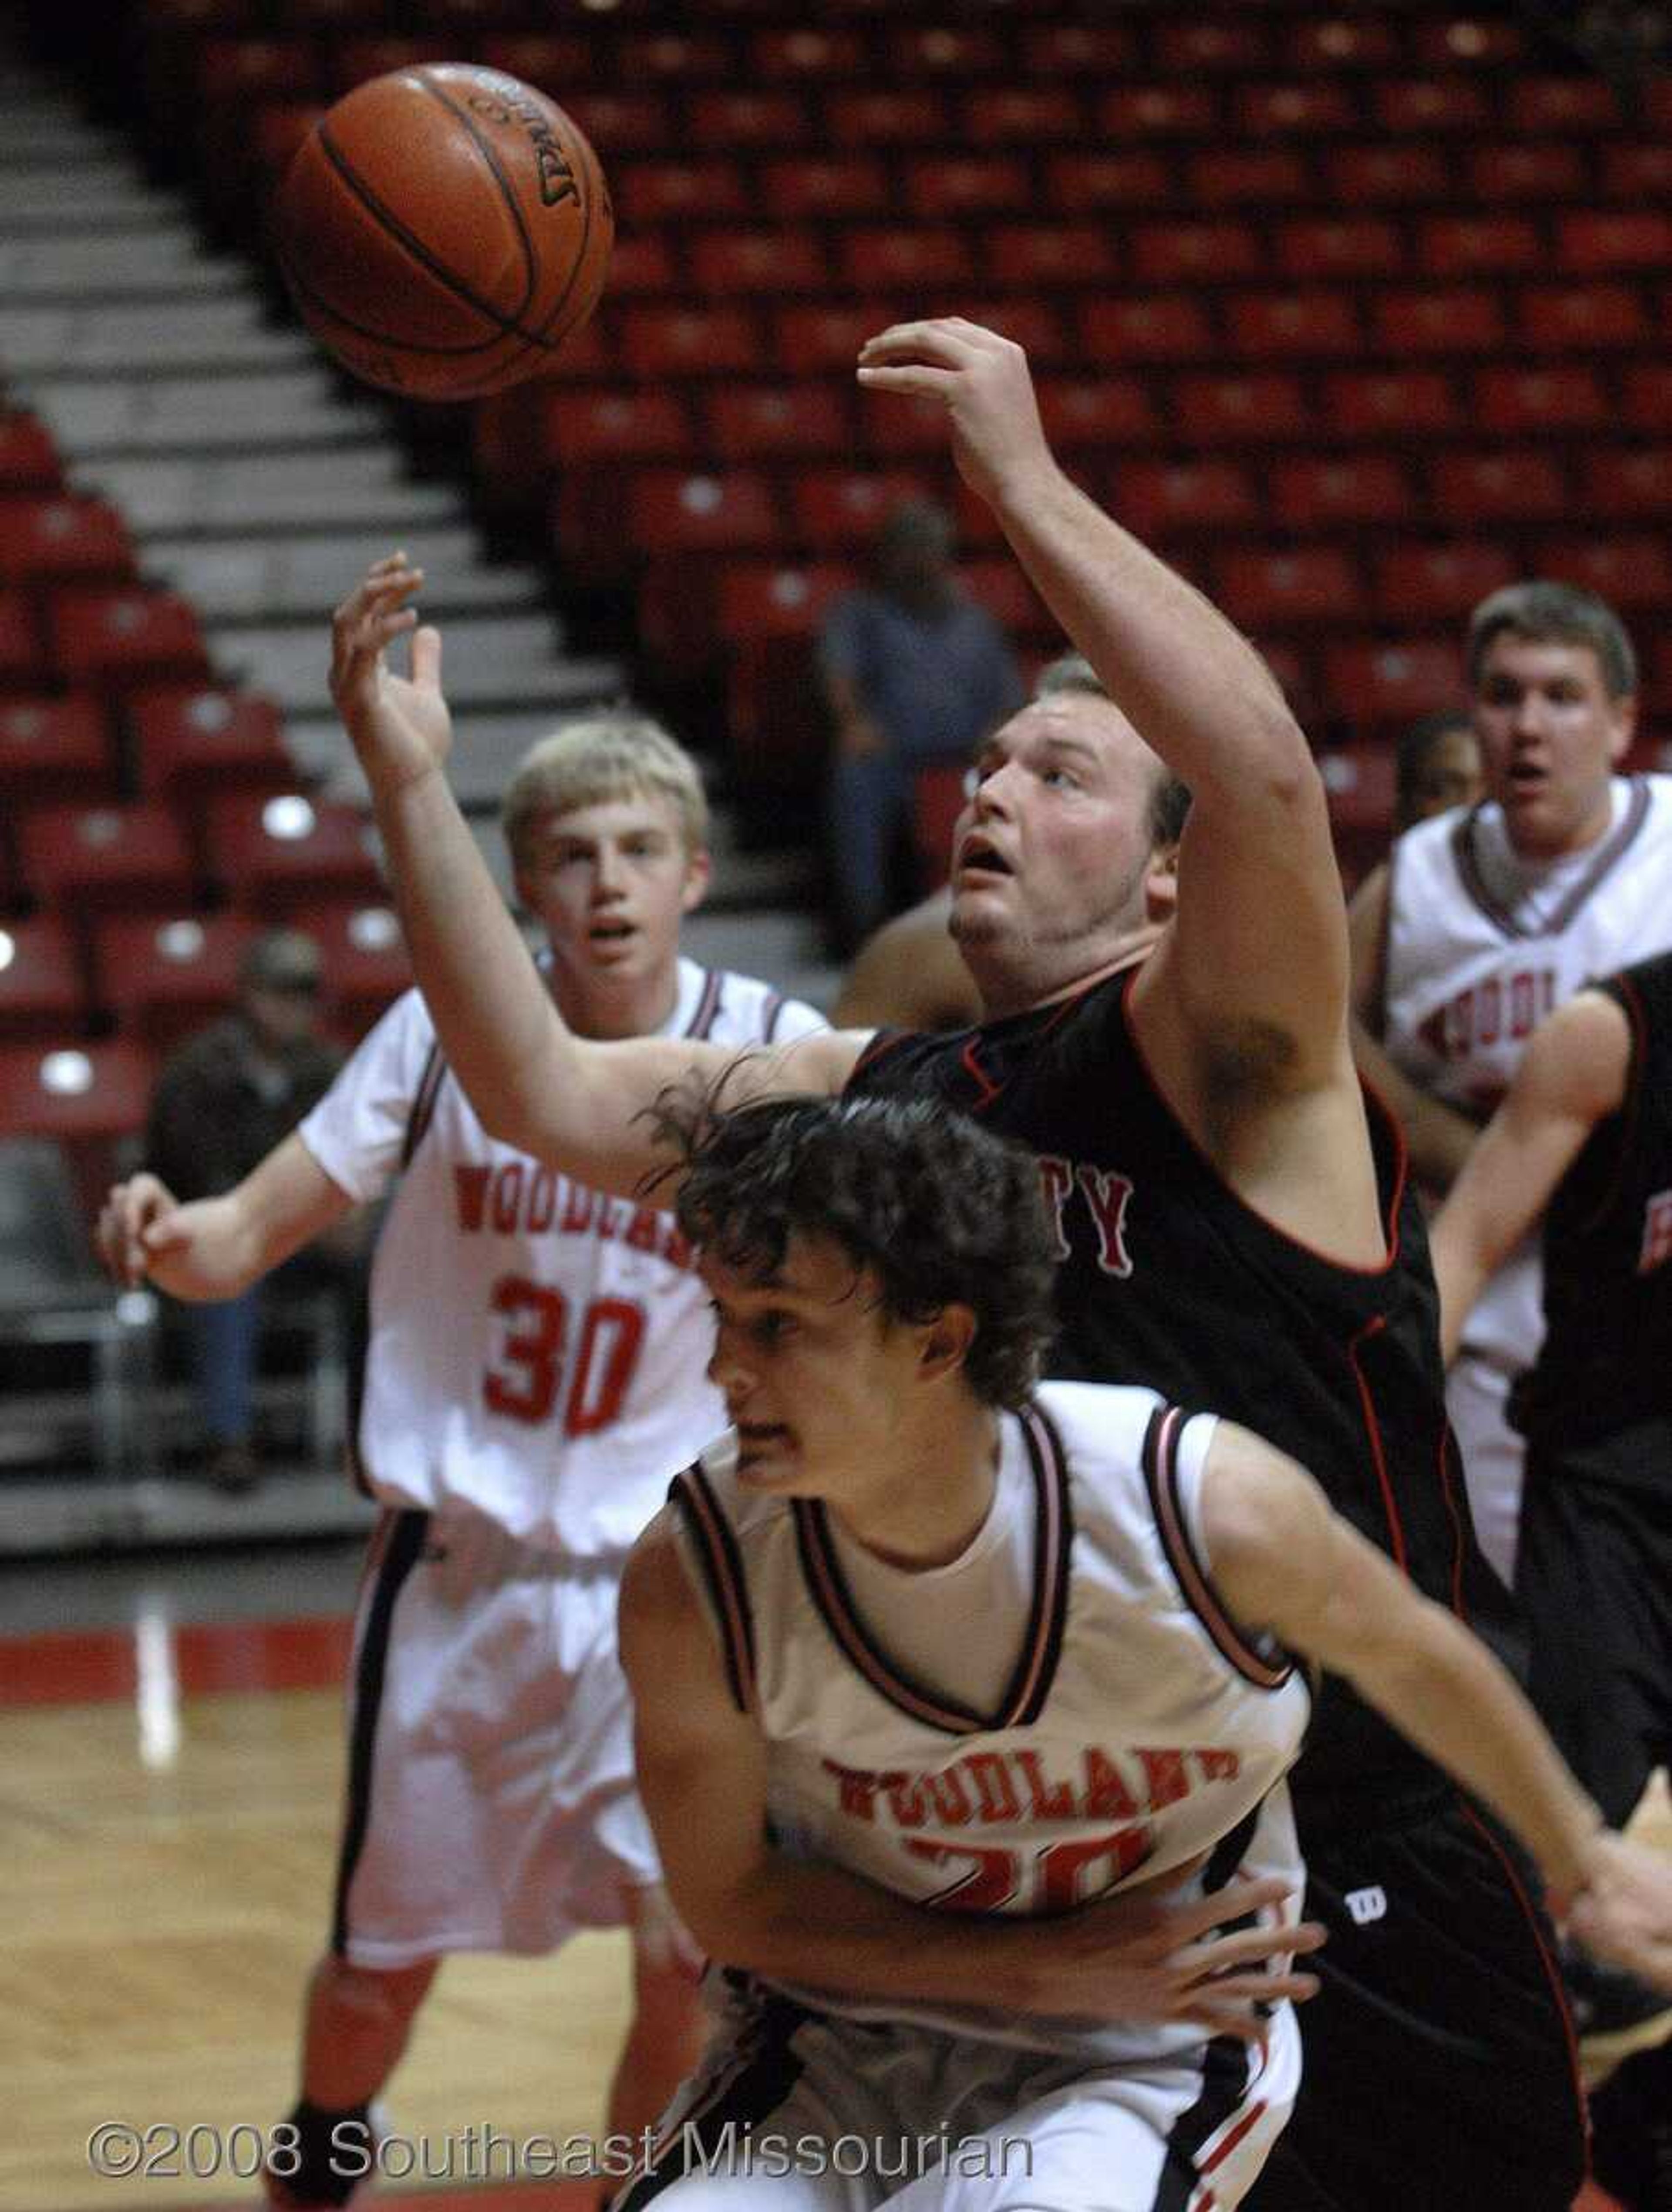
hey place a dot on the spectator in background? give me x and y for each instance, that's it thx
(1437, 766)
(915, 674)
(223, 1101)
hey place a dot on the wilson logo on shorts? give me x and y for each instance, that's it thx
(1367, 1905)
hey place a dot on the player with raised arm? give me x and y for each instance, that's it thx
(1169, 1033)
(928, 1663)
(536, 1371)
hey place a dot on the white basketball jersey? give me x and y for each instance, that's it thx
(1138, 1729)
(537, 1348)
(1482, 945)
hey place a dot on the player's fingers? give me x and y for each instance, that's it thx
(427, 656)
(941, 340)
(1245, 1944)
(1202, 1913)
(916, 381)
(167, 1233)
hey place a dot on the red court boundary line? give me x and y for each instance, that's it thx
(83, 1667)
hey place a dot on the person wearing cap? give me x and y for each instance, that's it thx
(223, 1100)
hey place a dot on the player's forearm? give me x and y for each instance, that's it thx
(1183, 675)
(500, 1033)
(1447, 1693)
(1437, 1138)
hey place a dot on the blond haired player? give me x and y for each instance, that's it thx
(536, 1371)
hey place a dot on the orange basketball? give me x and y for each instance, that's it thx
(443, 229)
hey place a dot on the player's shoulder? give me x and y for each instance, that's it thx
(1102, 1427)
(710, 1497)
(748, 1010)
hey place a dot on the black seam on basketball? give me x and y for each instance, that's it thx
(328, 309)
(421, 253)
(531, 260)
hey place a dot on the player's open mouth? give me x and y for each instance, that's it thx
(976, 857)
(1528, 774)
(611, 933)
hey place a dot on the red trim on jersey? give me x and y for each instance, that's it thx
(1025, 1695)
(722, 1569)
(1161, 1439)
(1251, 2117)
(1612, 850)
(1374, 1327)
(422, 1110)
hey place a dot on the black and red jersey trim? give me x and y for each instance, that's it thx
(721, 1563)
(707, 1004)
(421, 1111)
(1161, 1440)
(1470, 873)
(1030, 1684)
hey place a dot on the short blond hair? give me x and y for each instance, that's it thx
(612, 752)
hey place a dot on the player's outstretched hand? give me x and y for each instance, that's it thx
(128, 1213)
(145, 1234)
(1623, 1914)
(982, 381)
(399, 724)
(1151, 1957)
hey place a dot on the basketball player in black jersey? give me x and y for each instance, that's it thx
(1172, 1041)
(1585, 1138)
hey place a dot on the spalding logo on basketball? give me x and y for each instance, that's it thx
(443, 230)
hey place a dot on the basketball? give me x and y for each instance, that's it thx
(442, 230)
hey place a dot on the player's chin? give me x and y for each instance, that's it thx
(768, 1459)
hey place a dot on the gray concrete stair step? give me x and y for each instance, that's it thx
(498, 662)
(242, 578)
(53, 344)
(288, 407)
(166, 262)
(489, 741)
(362, 488)
(61, 201)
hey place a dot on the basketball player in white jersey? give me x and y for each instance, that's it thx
(536, 1371)
(1485, 919)
(916, 1641)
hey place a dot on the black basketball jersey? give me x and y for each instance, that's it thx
(1600, 1392)
(1169, 1279)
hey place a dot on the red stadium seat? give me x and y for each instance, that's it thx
(843, 509)
(1000, 587)
(620, 123)
(915, 117)
(643, 263)
(1455, 319)
(1025, 115)
(1083, 51)
(165, 976)
(809, 186)
(1531, 170)
(808, 340)
(29, 460)
(614, 423)
(236, 72)
(1427, 582)
(1341, 245)
(192, 740)
(938, 797)
(679, 512)
(1052, 256)
(118, 640)
(892, 426)
(25, 665)
(78, 1094)
(1389, 686)
(1139, 112)
(777, 599)
(55, 749)
(745, 119)
(278, 854)
(1303, 105)
(942, 185)
(1158, 498)
(1617, 480)
(680, 341)
(1522, 485)
(1245, 177)
(808, 54)
(1485, 41)
(1344, 489)
(1582, 318)
(938, 50)
(1647, 391)
(1390, 402)
(1360, 782)
(1251, 410)
(41, 995)
(1162, 327)
(1186, 49)
(676, 191)
(1195, 252)
(80, 859)
(1095, 411)
(677, 57)
(1340, 41)
(1637, 238)
(1313, 324)
(275, 130)
(727, 262)
(1317, 583)
(63, 538)
(1032, 323)
(555, 62)
(1641, 170)
(913, 259)
(753, 422)
(1633, 569)
(353, 60)
(1474, 245)
(364, 959)
(1564, 105)
(1519, 402)
(1085, 184)
(1389, 175)
(1430, 103)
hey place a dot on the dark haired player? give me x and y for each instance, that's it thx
(1169, 1034)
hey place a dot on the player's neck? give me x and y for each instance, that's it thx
(604, 1009)
(1011, 985)
(930, 1502)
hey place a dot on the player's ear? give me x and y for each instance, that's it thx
(699, 868)
(1624, 718)
(1161, 883)
(947, 1340)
